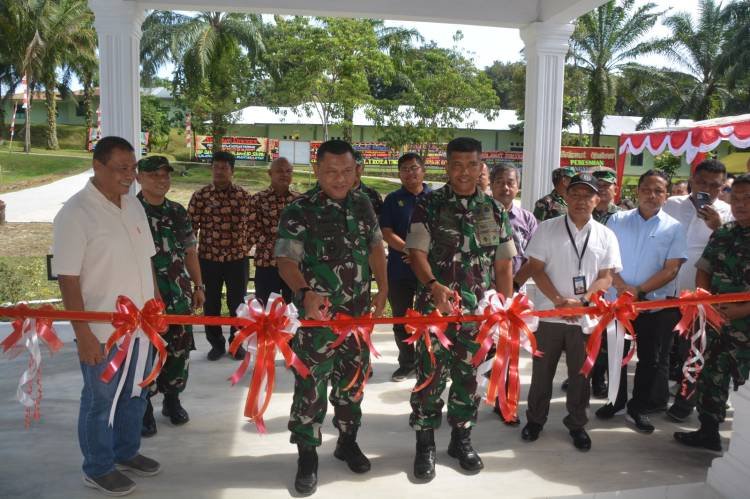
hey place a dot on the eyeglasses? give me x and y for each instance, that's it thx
(727, 189)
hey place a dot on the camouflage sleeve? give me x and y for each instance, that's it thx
(419, 236)
(540, 210)
(374, 235)
(710, 256)
(291, 234)
(185, 233)
(507, 248)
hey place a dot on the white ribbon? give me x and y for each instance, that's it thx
(31, 344)
(140, 367)
(694, 363)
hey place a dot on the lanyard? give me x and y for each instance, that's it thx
(573, 242)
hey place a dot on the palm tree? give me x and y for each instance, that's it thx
(604, 40)
(211, 52)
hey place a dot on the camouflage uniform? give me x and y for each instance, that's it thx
(727, 355)
(550, 206)
(373, 195)
(331, 241)
(463, 236)
(603, 216)
(173, 235)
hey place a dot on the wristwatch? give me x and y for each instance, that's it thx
(300, 294)
(202, 287)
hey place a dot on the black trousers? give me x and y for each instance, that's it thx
(267, 281)
(216, 275)
(654, 335)
(401, 296)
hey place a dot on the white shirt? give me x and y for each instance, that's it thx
(682, 209)
(552, 245)
(110, 248)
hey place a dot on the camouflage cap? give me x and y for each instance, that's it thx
(153, 163)
(568, 171)
(584, 179)
(605, 175)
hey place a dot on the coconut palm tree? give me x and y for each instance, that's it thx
(605, 40)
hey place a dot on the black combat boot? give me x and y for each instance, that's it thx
(173, 409)
(348, 450)
(306, 480)
(460, 448)
(424, 460)
(706, 437)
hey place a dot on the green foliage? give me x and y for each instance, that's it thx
(25, 278)
(11, 284)
(668, 163)
(155, 120)
(509, 81)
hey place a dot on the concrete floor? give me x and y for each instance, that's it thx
(220, 455)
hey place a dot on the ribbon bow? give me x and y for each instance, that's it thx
(265, 331)
(127, 320)
(27, 335)
(424, 333)
(704, 314)
(362, 334)
(502, 324)
(622, 310)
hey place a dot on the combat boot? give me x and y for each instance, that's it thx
(424, 460)
(348, 450)
(706, 437)
(460, 448)
(306, 480)
(172, 409)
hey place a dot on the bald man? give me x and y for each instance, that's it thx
(265, 209)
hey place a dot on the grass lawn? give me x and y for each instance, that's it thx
(23, 264)
(21, 171)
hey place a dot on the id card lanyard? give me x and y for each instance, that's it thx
(579, 281)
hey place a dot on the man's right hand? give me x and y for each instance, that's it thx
(90, 351)
(315, 306)
(568, 303)
(441, 298)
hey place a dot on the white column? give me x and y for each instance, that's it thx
(545, 48)
(728, 473)
(118, 25)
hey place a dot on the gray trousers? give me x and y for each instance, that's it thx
(552, 340)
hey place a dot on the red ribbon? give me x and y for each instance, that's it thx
(270, 334)
(44, 329)
(361, 334)
(423, 333)
(690, 313)
(128, 319)
(623, 310)
(510, 323)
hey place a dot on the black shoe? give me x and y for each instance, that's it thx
(348, 450)
(701, 438)
(215, 353)
(402, 373)
(654, 409)
(599, 390)
(514, 422)
(608, 411)
(640, 421)
(460, 448)
(173, 410)
(564, 386)
(306, 480)
(239, 354)
(148, 429)
(679, 413)
(424, 459)
(531, 431)
(581, 439)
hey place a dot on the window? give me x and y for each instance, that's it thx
(636, 159)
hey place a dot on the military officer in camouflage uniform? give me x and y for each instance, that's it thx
(178, 277)
(459, 241)
(724, 267)
(553, 204)
(374, 196)
(606, 178)
(327, 244)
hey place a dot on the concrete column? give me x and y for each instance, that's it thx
(118, 25)
(728, 473)
(545, 48)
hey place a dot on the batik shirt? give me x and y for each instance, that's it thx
(173, 236)
(220, 218)
(550, 206)
(265, 209)
(462, 236)
(332, 241)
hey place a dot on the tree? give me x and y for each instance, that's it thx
(324, 65)
(603, 41)
(216, 56)
(508, 80)
(155, 120)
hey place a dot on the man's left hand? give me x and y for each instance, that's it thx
(733, 311)
(710, 216)
(199, 298)
(378, 303)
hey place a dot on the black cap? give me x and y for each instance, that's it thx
(584, 179)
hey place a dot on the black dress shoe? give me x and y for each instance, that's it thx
(640, 421)
(700, 438)
(599, 390)
(608, 411)
(148, 429)
(402, 373)
(215, 353)
(174, 411)
(679, 413)
(239, 354)
(564, 386)
(531, 431)
(654, 409)
(581, 439)
(513, 422)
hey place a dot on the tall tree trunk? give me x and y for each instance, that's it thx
(27, 124)
(49, 96)
(88, 112)
(348, 123)
(218, 130)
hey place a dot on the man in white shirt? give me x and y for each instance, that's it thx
(571, 258)
(700, 213)
(102, 248)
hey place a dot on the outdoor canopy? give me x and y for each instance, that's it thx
(695, 141)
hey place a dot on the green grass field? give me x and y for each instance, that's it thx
(20, 171)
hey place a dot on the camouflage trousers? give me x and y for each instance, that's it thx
(453, 363)
(726, 360)
(345, 367)
(174, 374)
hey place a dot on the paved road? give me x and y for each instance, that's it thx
(41, 204)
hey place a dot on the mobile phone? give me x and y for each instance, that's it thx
(701, 200)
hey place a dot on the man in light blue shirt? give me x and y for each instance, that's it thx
(653, 246)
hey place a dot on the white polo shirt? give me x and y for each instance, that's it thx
(110, 248)
(682, 209)
(552, 245)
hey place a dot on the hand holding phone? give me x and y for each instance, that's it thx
(701, 199)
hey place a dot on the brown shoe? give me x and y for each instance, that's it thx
(140, 465)
(113, 483)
